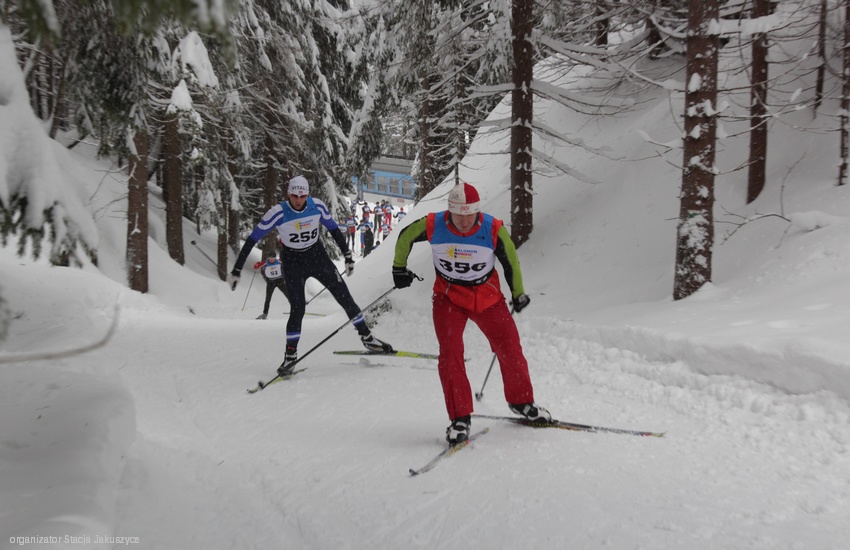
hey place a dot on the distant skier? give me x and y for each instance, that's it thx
(272, 272)
(367, 238)
(385, 230)
(351, 231)
(388, 213)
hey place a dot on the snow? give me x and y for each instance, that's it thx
(181, 99)
(193, 57)
(746, 27)
(695, 83)
(153, 437)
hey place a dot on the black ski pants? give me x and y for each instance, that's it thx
(297, 268)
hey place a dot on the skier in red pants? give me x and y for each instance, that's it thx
(466, 244)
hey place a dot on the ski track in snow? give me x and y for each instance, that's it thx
(321, 461)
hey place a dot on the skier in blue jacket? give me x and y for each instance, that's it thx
(298, 221)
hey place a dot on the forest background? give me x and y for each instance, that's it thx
(216, 103)
(152, 435)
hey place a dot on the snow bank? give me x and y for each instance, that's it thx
(64, 428)
(62, 451)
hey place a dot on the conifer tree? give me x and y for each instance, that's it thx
(112, 62)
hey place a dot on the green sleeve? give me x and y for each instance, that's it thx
(506, 253)
(413, 233)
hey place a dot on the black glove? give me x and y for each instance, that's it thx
(233, 278)
(349, 264)
(402, 277)
(520, 302)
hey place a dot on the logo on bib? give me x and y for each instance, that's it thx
(459, 253)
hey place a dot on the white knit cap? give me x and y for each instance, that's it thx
(464, 199)
(298, 186)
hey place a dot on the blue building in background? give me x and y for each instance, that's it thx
(389, 178)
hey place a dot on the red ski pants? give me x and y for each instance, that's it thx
(500, 330)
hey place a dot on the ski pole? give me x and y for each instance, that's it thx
(215, 263)
(328, 337)
(480, 394)
(314, 297)
(249, 290)
(323, 289)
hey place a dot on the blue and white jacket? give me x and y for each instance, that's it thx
(298, 231)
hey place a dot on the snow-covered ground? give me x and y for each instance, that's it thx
(154, 438)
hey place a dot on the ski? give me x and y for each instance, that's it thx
(262, 385)
(447, 452)
(567, 426)
(396, 353)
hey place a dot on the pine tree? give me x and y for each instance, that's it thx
(373, 65)
(112, 47)
(442, 66)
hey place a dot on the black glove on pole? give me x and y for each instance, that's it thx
(349, 264)
(521, 302)
(403, 277)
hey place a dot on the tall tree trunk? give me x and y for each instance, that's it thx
(426, 182)
(194, 210)
(233, 222)
(845, 99)
(232, 211)
(423, 60)
(224, 215)
(58, 114)
(758, 108)
(819, 82)
(601, 25)
(172, 186)
(407, 147)
(50, 81)
(225, 191)
(463, 122)
(231, 206)
(270, 193)
(654, 38)
(36, 87)
(137, 214)
(695, 238)
(522, 111)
